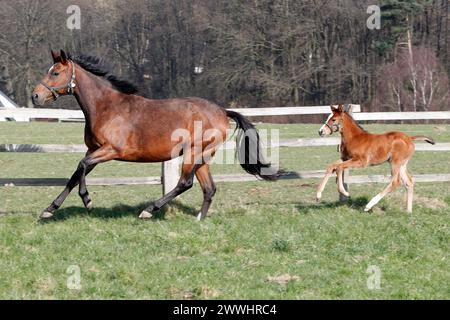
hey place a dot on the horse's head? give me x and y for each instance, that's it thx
(334, 121)
(60, 80)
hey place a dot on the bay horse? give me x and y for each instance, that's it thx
(122, 125)
(360, 149)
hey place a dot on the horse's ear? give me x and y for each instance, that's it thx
(341, 108)
(63, 57)
(56, 56)
(334, 109)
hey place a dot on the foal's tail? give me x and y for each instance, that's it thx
(424, 138)
(248, 146)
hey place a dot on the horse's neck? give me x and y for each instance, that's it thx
(89, 91)
(350, 129)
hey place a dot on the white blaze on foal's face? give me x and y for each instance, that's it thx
(325, 129)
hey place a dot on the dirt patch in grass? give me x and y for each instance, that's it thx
(431, 203)
(283, 279)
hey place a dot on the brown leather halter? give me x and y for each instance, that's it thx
(334, 127)
(69, 86)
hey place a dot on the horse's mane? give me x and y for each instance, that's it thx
(99, 67)
(354, 121)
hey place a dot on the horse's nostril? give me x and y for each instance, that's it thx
(35, 96)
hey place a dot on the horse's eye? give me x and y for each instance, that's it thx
(55, 74)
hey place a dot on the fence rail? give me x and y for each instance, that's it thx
(170, 169)
(249, 112)
(229, 145)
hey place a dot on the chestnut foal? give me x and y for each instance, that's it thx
(360, 149)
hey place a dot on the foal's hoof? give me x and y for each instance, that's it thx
(366, 209)
(318, 196)
(200, 217)
(145, 215)
(46, 215)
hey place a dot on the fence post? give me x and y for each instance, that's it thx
(170, 175)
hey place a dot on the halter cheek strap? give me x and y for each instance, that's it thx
(69, 86)
(332, 127)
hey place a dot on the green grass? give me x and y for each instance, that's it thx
(257, 232)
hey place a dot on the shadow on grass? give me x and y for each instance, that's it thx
(118, 211)
(354, 203)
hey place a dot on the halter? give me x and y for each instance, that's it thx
(69, 86)
(333, 128)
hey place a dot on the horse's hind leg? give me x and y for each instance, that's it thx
(185, 183)
(395, 182)
(409, 184)
(208, 187)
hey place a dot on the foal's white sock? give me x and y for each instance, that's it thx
(373, 202)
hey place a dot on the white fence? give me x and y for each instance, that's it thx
(170, 169)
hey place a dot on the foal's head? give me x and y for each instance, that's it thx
(60, 80)
(334, 121)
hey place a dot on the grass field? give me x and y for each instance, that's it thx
(263, 240)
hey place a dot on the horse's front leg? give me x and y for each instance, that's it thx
(83, 192)
(79, 177)
(91, 160)
(73, 181)
(352, 163)
(340, 182)
(331, 168)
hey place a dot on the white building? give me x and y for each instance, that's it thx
(7, 103)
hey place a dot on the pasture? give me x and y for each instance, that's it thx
(263, 240)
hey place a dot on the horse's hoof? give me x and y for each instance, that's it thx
(318, 198)
(200, 217)
(89, 205)
(46, 215)
(366, 209)
(145, 215)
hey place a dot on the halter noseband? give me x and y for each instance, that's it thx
(332, 127)
(69, 86)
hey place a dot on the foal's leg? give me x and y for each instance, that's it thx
(331, 168)
(409, 184)
(185, 183)
(352, 163)
(86, 165)
(208, 187)
(395, 182)
(340, 182)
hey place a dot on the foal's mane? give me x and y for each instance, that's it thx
(354, 121)
(99, 67)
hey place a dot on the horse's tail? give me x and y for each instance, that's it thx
(424, 138)
(248, 146)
